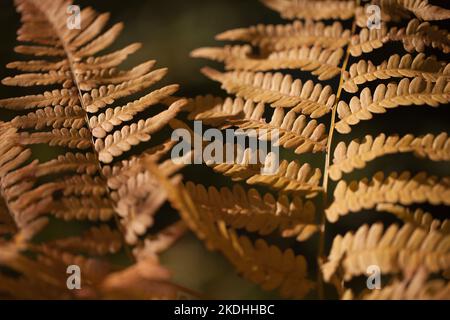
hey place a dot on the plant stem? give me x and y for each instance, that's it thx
(327, 165)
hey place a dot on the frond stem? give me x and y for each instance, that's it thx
(325, 193)
(70, 59)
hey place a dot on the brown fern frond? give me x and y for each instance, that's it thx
(418, 287)
(157, 243)
(70, 117)
(394, 250)
(422, 66)
(96, 241)
(77, 115)
(368, 40)
(418, 35)
(357, 154)
(315, 10)
(283, 37)
(115, 144)
(105, 122)
(420, 8)
(222, 54)
(290, 177)
(239, 209)
(277, 90)
(264, 70)
(396, 10)
(321, 62)
(418, 218)
(404, 93)
(396, 188)
(295, 131)
(265, 265)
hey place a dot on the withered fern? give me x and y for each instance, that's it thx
(312, 228)
(318, 82)
(83, 107)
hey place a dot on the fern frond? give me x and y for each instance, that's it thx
(394, 250)
(357, 154)
(70, 117)
(418, 218)
(71, 138)
(222, 54)
(396, 10)
(315, 10)
(396, 188)
(76, 186)
(321, 62)
(418, 35)
(63, 97)
(289, 177)
(105, 122)
(239, 209)
(100, 98)
(418, 287)
(277, 90)
(265, 265)
(122, 140)
(404, 93)
(139, 200)
(94, 242)
(422, 66)
(82, 208)
(283, 37)
(214, 110)
(295, 131)
(368, 40)
(420, 8)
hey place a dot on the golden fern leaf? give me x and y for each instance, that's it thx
(421, 9)
(321, 62)
(44, 277)
(316, 10)
(95, 241)
(418, 218)
(295, 132)
(417, 287)
(263, 214)
(80, 116)
(415, 37)
(283, 37)
(404, 93)
(368, 40)
(418, 35)
(263, 264)
(261, 72)
(422, 66)
(396, 188)
(394, 250)
(277, 90)
(357, 154)
(396, 10)
(290, 177)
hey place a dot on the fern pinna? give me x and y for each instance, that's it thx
(319, 83)
(92, 121)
